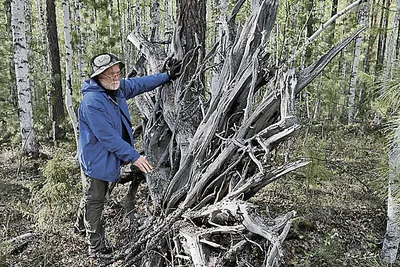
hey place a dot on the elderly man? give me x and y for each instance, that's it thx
(106, 141)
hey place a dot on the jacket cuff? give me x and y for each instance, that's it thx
(136, 155)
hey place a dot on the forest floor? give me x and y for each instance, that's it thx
(340, 221)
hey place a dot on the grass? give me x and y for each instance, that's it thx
(339, 199)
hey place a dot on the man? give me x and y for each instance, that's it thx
(106, 141)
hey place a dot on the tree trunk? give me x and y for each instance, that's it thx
(372, 37)
(383, 26)
(309, 9)
(13, 95)
(155, 19)
(362, 15)
(43, 49)
(122, 32)
(80, 44)
(204, 215)
(28, 138)
(331, 38)
(392, 235)
(28, 33)
(397, 51)
(391, 47)
(68, 69)
(57, 115)
(110, 17)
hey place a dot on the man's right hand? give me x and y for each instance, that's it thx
(143, 164)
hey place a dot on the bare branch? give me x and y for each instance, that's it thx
(322, 27)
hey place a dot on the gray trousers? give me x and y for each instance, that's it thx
(89, 217)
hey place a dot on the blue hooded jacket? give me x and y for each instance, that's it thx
(101, 146)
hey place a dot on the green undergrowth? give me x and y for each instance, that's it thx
(55, 194)
(339, 197)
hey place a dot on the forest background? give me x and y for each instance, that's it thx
(348, 116)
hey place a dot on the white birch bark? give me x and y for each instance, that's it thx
(155, 18)
(28, 27)
(362, 20)
(137, 15)
(68, 69)
(29, 144)
(28, 34)
(122, 32)
(166, 25)
(343, 92)
(80, 46)
(392, 236)
(128, 48)
(110, 16)
(91, 38)
(390, 47)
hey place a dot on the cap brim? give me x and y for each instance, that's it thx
(102, 69)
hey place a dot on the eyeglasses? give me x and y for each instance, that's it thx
(113, 75)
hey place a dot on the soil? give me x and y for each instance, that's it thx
(339, 222)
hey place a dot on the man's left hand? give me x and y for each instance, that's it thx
(175, 70)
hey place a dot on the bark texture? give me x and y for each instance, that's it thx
(392, 235)
(29, 144)
(205, 173)
(57, 114)
(68, 69)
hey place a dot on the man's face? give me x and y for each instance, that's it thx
(109, 79)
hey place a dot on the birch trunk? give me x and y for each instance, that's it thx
(129, 24)
(68, 69)
(397, 44)
(137, 15)
(390, 48)
(122, 33)
(13, 94)
(342, 100)
(155, 18)
(80, 46)
(354, 69)
(29, 144)
(28, 28)
(110, 16)
(383, 25)
(392, 236)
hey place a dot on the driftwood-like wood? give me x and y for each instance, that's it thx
(212, 154)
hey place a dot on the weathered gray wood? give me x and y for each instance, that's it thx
(201, 171)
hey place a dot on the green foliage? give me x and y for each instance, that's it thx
(53, 199)
(334, 150)
(388, 102)
(4, 253)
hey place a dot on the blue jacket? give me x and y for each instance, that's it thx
(101, 147)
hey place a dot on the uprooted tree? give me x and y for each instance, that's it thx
(210, 135)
